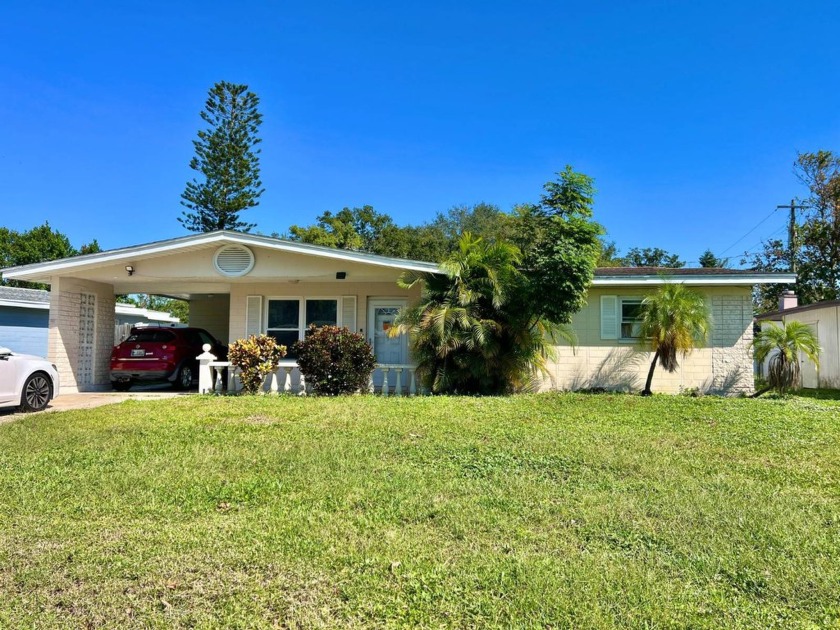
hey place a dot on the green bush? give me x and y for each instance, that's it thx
(334, 360)
(256, 357)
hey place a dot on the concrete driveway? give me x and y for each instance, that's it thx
(89, 400)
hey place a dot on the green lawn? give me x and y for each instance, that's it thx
(530, 511)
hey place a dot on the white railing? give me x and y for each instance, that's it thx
(386, 379)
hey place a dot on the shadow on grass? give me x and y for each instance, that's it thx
(821, 394)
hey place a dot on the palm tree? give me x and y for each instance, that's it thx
(469, 334)
(783, 346)
(675, 320)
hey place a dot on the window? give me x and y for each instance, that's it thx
(285, 324)
(321, 312)
(631, 319)
(151, 336)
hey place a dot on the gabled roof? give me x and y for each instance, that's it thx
(624, 276)
(607, 276)
(42, 271)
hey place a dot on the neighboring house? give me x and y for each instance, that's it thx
(240, 284)
(25, 318)
(824, 319)
(128, 315)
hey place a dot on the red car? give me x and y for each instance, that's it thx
(157, 354)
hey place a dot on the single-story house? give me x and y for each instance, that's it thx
(239, 284)
(25, 319)
(824, 320)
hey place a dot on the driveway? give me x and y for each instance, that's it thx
(89, 400)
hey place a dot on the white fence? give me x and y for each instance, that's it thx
(386, 380)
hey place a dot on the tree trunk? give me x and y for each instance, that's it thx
(646, 391)
(760, 392)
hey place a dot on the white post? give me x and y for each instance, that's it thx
(205, 376)
(275, 386)
(287, 384)
(302, 391)
(219, 375)
(412, 389)
(398, 384)
(370, 382)
(384, 381)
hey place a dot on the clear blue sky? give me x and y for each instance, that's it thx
(688, 115)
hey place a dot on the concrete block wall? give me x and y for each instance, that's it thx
(64, 335)
(723, 366)
(732, 336)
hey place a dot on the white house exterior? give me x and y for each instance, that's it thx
(824, 319)
(239, 284)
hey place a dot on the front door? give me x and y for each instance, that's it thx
(381, 315)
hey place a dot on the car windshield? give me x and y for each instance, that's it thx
(154, 336)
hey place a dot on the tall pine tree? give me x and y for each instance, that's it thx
(227, 157)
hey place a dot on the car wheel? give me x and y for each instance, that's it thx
(37, 391)
(121, 386)
(185, 377)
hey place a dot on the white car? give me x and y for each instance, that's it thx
(26, 381)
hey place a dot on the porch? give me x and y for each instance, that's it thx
(397, 379)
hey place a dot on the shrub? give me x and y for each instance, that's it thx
(256, 357)
(334, 360)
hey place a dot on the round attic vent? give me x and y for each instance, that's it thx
(233, 260)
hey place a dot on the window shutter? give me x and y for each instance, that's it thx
(348, 312)
(253, 315)
(609, 317)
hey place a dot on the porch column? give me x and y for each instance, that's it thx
(81, 333)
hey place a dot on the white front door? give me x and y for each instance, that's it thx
(381, 315)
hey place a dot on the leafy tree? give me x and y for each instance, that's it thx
(652, 257)
(421, 242)
(784, 345)
(39, 244)
(675, 320)
(709, 260)
(371, 231)
(356, 228)
(485, 220)
(90, 248)
(467, 334)
(330, 231)
(609, 255)
(227, 157)
(560, 246)
(178, 308)
(817, 238)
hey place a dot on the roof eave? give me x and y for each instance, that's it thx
(25, 304)
(41, 272)
(715, 280)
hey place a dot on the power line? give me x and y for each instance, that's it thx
(757, 225)
(753, 249)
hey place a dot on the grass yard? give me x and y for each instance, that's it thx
(530, 511)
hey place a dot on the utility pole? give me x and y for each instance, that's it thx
(793, 207)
